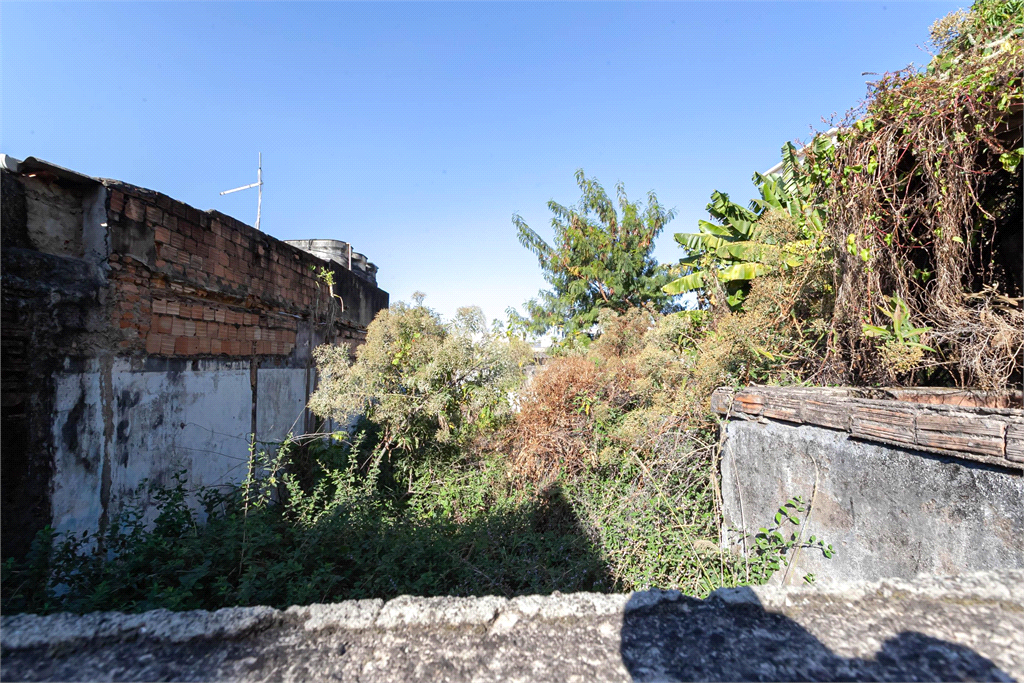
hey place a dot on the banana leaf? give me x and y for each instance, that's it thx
(687, 283)
(743, 271)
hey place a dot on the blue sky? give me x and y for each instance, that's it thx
(416, 130)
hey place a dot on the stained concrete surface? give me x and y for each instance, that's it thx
(969, 627)
(124, 424)
(887, 511)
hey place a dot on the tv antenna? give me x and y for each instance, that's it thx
(259, 184)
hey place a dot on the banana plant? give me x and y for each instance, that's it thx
(735, 250)
(900, 329)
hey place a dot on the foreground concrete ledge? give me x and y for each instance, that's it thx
(982, 426)
(23, 631)
(968, 627)
(1000, 589)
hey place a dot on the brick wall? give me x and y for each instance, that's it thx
(141, 337)
(191, 283)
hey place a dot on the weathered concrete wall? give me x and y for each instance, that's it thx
(119, 424)
(967, 628)
(142, 337)
(887, 511)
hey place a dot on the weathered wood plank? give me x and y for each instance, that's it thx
(1015, 441)
(748, 402)
(886, 424)
(831, 414)
(721, 400)
(961, 433)
(779, 406)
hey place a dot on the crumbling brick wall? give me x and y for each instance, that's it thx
(201, 283)
(122, 310)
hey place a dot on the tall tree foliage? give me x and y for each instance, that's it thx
(601, 259)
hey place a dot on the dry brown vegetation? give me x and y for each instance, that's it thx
(924, 204)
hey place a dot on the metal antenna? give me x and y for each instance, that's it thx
(259, 184)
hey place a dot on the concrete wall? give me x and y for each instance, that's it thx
(887, 511)
(142, 337)
(110, 419)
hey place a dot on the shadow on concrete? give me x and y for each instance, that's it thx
(711, 640)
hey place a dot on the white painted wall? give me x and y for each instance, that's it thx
(161, 421)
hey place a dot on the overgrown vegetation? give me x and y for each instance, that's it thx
(913, 205)
(923, 192)
(887, 250)
(489, 501)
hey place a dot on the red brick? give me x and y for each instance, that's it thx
(221, 316)
(177, 241)
(263, 347)
(200, 328)
(162, 235)
(181, 345)
(166, 345)
(170, 221)
(236, 348)
(215, 346)
(178, 327)
(212, 330)
(209, 313)
(125, 324)
(159, 306)
(153, 343)
(204, 345)
(167, 252)
(116, 201)
(135, 210)
(154, 215)
(190, 328)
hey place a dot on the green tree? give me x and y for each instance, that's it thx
(426, 383)
(601, 259)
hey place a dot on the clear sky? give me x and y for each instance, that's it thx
(415, 131)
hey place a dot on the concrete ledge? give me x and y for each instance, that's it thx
(929, 628)
(974, 425)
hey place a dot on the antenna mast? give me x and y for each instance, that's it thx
(257, 184)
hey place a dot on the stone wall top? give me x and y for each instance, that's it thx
(976, 425)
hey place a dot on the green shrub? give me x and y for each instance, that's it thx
(428, 385)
